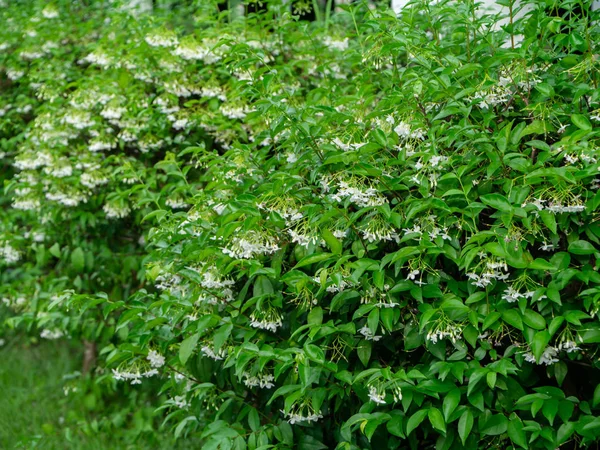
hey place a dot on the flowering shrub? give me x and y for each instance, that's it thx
(370, 232)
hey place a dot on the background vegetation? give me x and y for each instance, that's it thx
(366, 231)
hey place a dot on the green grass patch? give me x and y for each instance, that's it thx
(35, 412)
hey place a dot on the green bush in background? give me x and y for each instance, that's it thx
(365, 232)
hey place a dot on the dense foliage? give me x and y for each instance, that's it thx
(365, 232)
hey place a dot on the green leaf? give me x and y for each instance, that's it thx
(284, 390)
(451, 401)
(545, 89)
(574, 317)
(475, 378)
(221, 335)
(534, 320)
(516, 433)
(262, 286)
(465, 425)
(364, 352)
(550, 409)
(55, 250)
(253, 419)
(539, 344)
(159, 214)
(315, 316)
(491, 378)
(549, 220)
(415, 420)
(541, 264)
(539, 145)
(332, 242)
(436, 420)
(596, 400)
(590, 335)
(187, 347)
(455, 309)
(490, 319)
(394, 426)
(387, 318)
(78, 259)
(581, 122)
(369, 427)
(512, 317)
(495, 425)
(312, 259)
(497, 201)
(565, 431)
(314, 352)
(555, 325)
(560, 372)
(581, 248)
(373, 320)
(183, 423)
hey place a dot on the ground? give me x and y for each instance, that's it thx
(35, 413)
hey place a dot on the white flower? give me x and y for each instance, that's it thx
(368, 335)
(112, 112)
(547, 358)
(210, 353)
(180, 124)
(162, 39)
(261, 380)
(404, 131)
(78, 119)
(14, 74)
(176, 203)
(347, 147)
(9, 253)
(413, 274)
(375, 396)
(51, 334)
(50, 12)
(568, 346)
(340, 234)
(97, 145)
(336, 44)
(133, 377)
(234, 112)
(180, 401)
(362, 197)
(511, 295)
(571, 159)
(268, 320)
(252, 244)
(116, 211)
(415, 230)
(297, 417)
(156, 359)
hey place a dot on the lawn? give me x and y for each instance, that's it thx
(36, 413)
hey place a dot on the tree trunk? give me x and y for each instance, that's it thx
(89, 356)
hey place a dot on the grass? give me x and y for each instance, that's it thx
(35, 413)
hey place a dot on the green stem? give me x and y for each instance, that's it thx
(317, 10)
(327, 14)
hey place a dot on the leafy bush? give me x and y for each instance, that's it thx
(366, 232)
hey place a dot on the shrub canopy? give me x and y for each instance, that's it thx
(365, 232)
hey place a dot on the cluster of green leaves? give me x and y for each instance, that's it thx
(51, 251)
(370, 232)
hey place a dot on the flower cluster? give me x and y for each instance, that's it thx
(264, 381)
